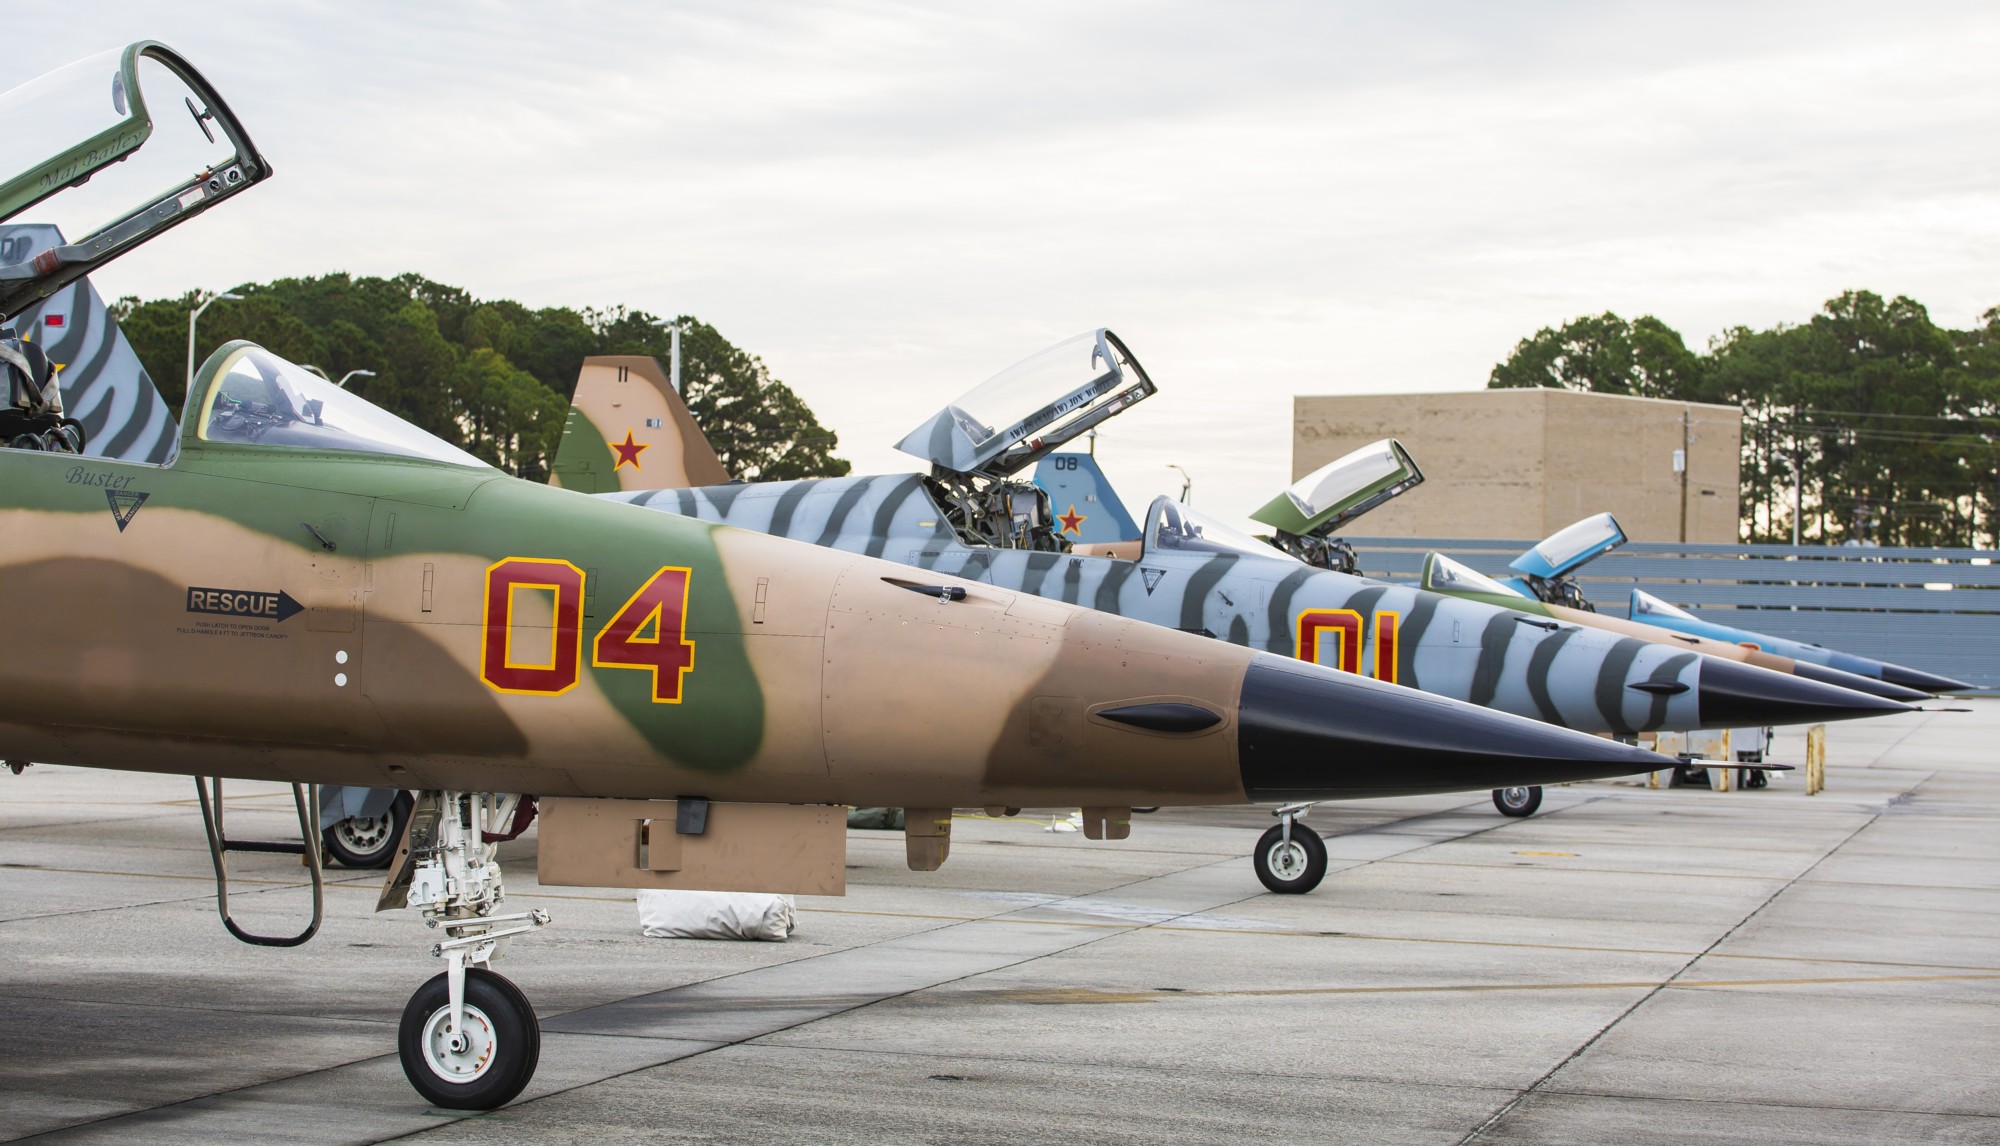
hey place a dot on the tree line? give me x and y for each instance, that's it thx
(1876, 423)
(492, 377)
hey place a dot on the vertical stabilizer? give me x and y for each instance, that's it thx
(628, 430)
(1087, 508)
(104, 385)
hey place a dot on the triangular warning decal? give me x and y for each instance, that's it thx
(124, 505)
(1152, 577)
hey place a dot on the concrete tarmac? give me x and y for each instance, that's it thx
(1629, 965)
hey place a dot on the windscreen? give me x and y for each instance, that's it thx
(1174, 528)
(1443, 575)
(259, 399)
(1644, 604)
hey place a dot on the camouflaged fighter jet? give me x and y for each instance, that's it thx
(1545, 587)
(310, 590)
(1305, 518)
(970, 518)
(1547, 573)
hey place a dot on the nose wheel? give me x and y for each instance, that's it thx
(487, 1059)
(1517, 801)
(1290, 858)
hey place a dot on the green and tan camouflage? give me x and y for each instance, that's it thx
(314, 591)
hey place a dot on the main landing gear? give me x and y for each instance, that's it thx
(469, 1039)
(368, 841)
(1290, 858)
(1518, 801)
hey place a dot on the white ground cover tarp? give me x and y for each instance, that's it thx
(714, 915)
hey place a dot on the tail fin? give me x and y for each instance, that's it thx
(1088, 508)
(628, 429)
(104, 385)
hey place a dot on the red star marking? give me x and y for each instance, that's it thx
(1073, 521)
(628, 451)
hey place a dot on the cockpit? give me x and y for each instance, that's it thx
(256, 398)
(1174, 528)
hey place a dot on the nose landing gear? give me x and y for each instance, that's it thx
(469, 1039)
(1518, 801)
(1290, 858)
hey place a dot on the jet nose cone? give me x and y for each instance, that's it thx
(1736, 695)
(1307, 733)
(1857, 682)
(1917, 678)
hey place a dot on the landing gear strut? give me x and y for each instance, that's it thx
(1290, 859)
(469, 1039)
(1518, 801)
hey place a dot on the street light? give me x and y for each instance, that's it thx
(195, 314)
(342, 384)
(673, 326)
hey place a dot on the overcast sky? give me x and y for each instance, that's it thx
(890, 202)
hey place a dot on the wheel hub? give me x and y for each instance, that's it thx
(1515, 797)
(460, 1057)
(363, 833)
(1286, 860)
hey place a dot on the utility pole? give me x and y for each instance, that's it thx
(1681, 464)
(1798, 491)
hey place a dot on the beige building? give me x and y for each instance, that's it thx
(1525, 463)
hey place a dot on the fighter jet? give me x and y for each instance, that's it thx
(311, 590)
(1452, 578)
(1547, 573)
(970, 518)
(1653, 611)
(1545, 586)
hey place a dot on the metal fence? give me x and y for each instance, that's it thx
(1925, 608)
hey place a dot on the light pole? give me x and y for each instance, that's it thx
(194, 315)
(1187, 483)
(673, 326)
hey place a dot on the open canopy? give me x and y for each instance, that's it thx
(1012, 419)
(1570, 547)
(121, 146)
(1343, 489)
(247, 396)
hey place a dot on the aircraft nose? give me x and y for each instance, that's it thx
(1736, 695)
(1857, 682)
(1917, 678)
(1307, 733)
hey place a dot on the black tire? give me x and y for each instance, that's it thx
(1290, 873)
(1518, 801)
(509, 1035)
(1755, 778)
(368, 841)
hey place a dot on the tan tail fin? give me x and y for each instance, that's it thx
(628, 429)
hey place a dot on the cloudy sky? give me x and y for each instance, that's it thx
(890, 202)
